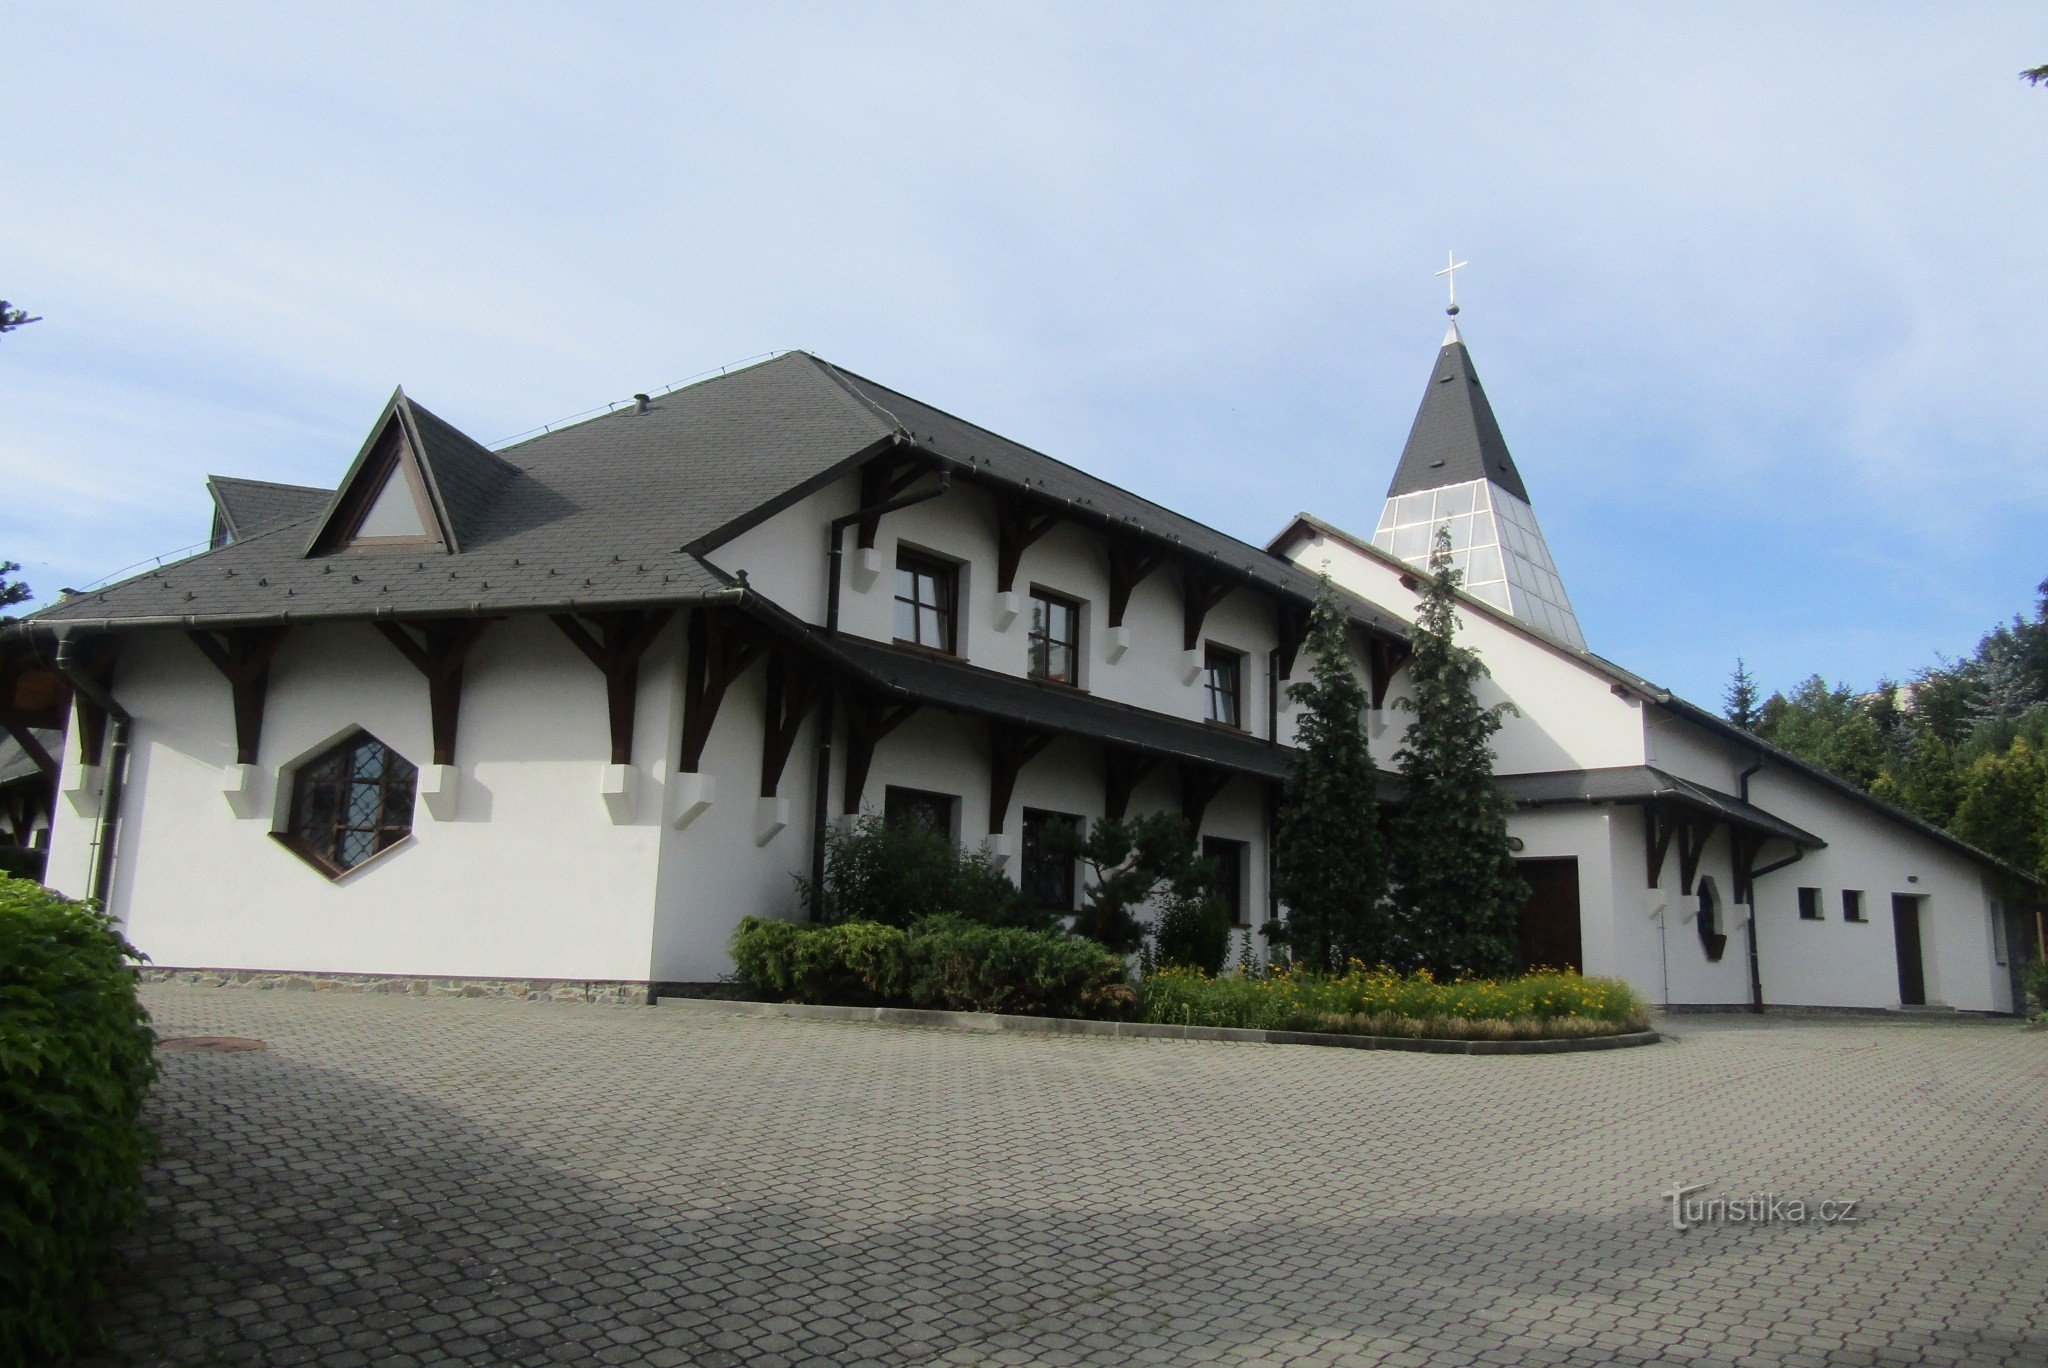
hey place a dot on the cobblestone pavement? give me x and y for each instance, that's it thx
(491, 1182)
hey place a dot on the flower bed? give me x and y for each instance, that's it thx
(1546, 1005)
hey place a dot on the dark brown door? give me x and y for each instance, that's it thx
(1906, 936)
(1550, 919)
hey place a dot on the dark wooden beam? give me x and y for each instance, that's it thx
(1657, 829)
(98, 665)
(1017, 526)
(1290, 630)
(1122, 772)
(26, 739)
(615, 648)
(1129, 564)
(243, 655)
(867, 722)
(1199, 786)
(438, 653)
(1198, 594)
(1383, 657)
(1010, 749)
(880, 481)
(721, 647)
(1693, 835)
(793, 692)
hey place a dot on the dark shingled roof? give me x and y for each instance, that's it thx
(1455, 438)
(1643, 784)
(250, 506)
(597, 514)
(959, 687)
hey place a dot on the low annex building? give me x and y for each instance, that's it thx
(563, 712)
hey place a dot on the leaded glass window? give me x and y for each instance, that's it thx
(350, 802)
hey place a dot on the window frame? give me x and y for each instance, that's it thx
(1236, 896)
(1032, 820)
(1810, 908)
(387, 835)
(1217, 652)
(945, 574)
(1052, 598)
(893, 794)
(1852, 906)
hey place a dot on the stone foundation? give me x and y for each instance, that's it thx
(611, 992)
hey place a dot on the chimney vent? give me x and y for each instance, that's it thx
(640, 403)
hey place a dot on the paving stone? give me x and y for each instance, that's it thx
(431, 1180)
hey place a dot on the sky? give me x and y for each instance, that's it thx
(1756, 290)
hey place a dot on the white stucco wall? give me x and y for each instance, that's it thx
(529, 879)
(1567, 716)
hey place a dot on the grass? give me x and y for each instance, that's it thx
(1545, 1005)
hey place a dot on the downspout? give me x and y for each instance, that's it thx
(1756, 973)
(107, 827)
(821, 761)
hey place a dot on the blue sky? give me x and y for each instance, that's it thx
(1757, 290)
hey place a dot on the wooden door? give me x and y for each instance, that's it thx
(1906, 938)
(1550, 919)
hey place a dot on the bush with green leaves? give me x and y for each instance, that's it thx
(943, 962)
(1132, 861)
(1544, 1005)
(75, 1065)
(900, 873)
(2034, 980)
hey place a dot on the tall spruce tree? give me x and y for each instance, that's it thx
(1456, 889)
(1329, 861)
(1739, 704)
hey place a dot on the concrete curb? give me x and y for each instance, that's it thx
(990, 1023)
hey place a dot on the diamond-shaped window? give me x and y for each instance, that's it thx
(349, 802)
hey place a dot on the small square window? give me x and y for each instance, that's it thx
(1047, 876)
(917, 807)
(1055, 644)
(926, 595)
(1852, 905)
(1225, 686)
(1809, 904)
(1229, 859)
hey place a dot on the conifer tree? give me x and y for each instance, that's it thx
(1925, 780)
(1455, 883)
(1739, 704)
(1329, 864)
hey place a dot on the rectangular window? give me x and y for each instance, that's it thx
(1055, 638)
(926, 597)
(1226, 677)
(1998, 951)
(917, 807)
(1047, 876)
(1852, 904)
(1229, 858)
(1809, 904)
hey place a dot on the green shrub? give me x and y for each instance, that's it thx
(967, 968)
(940, 963)
(1379, 1002)
(75, 1064)
(2035, 980)
(900, 873)
(1193, 931)
(850, 963)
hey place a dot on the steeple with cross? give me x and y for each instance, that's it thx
(1456, 472)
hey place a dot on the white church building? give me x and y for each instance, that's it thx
(555, 717)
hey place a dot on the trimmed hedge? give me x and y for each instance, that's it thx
(1543, 1005)
(939, 963)
(75, 1063)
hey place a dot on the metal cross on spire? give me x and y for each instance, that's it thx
(1451, 269)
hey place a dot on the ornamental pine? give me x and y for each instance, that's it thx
(1329, 864)
(1456, 889)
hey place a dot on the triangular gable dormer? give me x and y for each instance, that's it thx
(395, 495)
